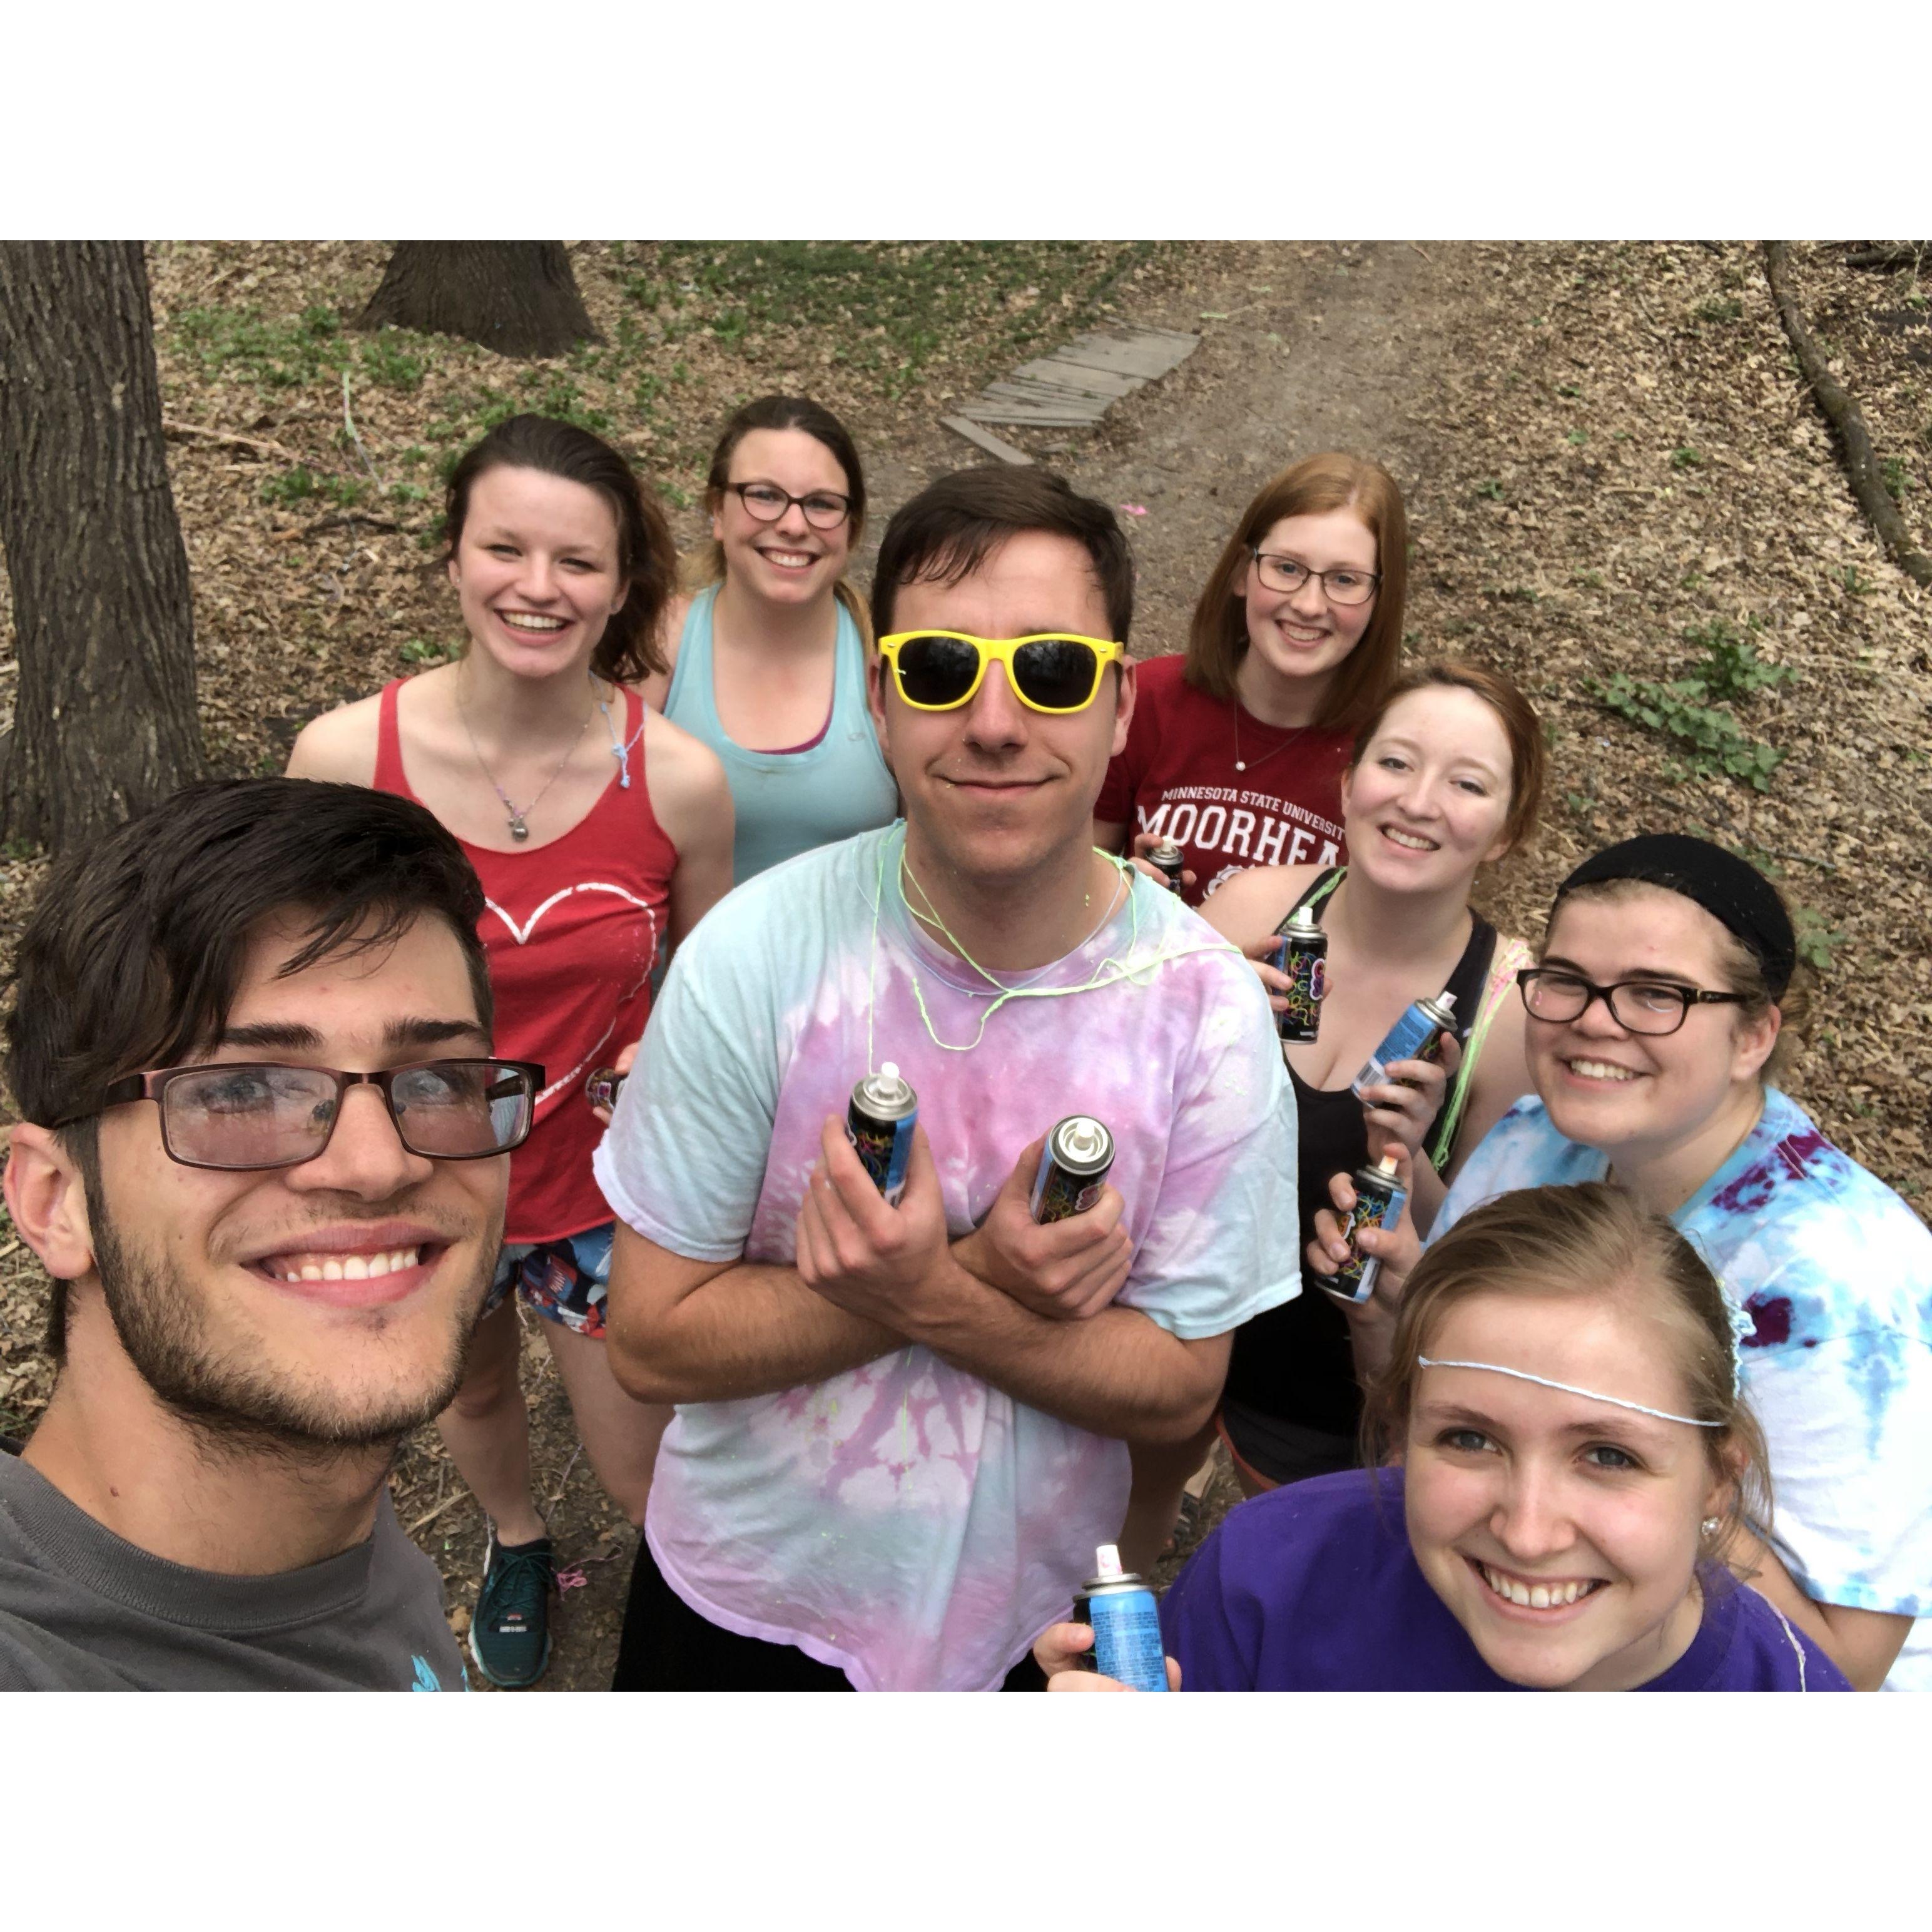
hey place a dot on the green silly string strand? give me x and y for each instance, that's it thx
(1112, 971)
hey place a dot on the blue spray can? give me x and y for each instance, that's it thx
(1121, 1609)
(1417, 1035)
(879, 1124)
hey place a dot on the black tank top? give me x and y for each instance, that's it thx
(1294, 1361)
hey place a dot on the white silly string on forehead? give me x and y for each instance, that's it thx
(1569, 1388)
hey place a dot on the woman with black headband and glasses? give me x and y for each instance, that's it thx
(1658, 1016)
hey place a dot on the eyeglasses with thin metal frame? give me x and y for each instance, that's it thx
(248, 1116)
(1652, 1006)
(1288, 574)
(1050, 671)
(824, 509)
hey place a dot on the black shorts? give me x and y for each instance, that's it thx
(666, 1645)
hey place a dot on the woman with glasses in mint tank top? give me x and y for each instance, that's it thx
(768, 660)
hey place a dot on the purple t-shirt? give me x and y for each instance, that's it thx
(1312, 1587)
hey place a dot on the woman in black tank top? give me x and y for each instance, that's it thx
(1445, 778)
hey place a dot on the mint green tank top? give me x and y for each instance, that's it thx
(788, 802)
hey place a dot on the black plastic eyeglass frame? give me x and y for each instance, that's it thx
(154, 1086)
(1688, 996)
(759, 483)
(1375, 577)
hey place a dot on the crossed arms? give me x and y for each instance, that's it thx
(1026, 1308)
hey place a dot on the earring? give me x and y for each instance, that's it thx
(1709, 1527)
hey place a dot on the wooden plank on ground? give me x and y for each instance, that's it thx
(985, 439)
(1093, 381)
(1087, 409)
(1134, 353)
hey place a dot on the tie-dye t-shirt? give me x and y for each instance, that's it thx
(904, 1521)
(1835, 1271)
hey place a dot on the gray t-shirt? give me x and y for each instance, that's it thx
(82, 1609)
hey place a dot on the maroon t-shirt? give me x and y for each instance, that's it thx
(1177, 777)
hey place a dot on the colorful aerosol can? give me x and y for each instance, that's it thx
(879, 1123)
(1377, 1202)
(1417, 1035)
(1301, 951)
(1126, 1623)
(1168, 860)
(603, 1086)
(1073, 1168)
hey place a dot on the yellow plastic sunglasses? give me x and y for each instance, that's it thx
(1054, 671)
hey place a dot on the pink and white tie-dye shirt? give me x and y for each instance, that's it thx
(904, 1521)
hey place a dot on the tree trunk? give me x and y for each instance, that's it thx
(517, 297)
(104, 721)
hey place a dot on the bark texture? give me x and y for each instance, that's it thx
(104, 721)
(1842, 411)
(517, 297)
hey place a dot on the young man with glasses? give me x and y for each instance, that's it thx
(901, 1430)
(264, 1157)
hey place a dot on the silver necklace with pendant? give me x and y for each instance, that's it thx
(520, 829)
(1240, 763)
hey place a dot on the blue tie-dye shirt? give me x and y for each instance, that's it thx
(1835, 1271)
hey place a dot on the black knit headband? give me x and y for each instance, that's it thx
(1737, 895)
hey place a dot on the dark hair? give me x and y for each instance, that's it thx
(1528, 756)
(782, 413)
(132, 955)
(945, 532)
(1591, 1241)
(647, 557)
(1217, 641)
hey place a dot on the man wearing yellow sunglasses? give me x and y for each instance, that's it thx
(900, 1431)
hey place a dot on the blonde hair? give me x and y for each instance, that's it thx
(1591, 1241)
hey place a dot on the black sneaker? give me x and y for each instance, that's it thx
(509, 1630)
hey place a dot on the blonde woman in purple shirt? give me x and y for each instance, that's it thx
(1563, 1440)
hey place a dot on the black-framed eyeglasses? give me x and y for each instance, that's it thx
(1288, 574)
(824, 509)
(1651, 1007)
(241, 1115)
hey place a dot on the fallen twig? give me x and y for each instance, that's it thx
(556, 1494)
(430, 1515)
(341, 519)
(229, 437)
(1911, 255)
(355, 435)
(1841, 410)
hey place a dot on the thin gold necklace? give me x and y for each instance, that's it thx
(1241, 764)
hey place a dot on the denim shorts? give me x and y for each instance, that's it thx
(563, 1281)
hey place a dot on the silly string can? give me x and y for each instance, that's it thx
(1126, 1622)
(1168, 859)
(879, 1124)
(1417, 1035)
(1301, 951)
(1377, 1202)
(1073, 1168)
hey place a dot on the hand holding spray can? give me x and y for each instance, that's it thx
(879, 1124)
(1301, 951)
(1073, 1168)
(1120, 1610)
(1168, 860)
(1379, 1202)
(1417, 1035)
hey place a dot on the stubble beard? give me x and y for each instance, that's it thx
(233, 1406)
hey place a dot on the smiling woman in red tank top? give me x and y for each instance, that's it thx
(601, 833)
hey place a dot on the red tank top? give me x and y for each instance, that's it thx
(572, 932)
